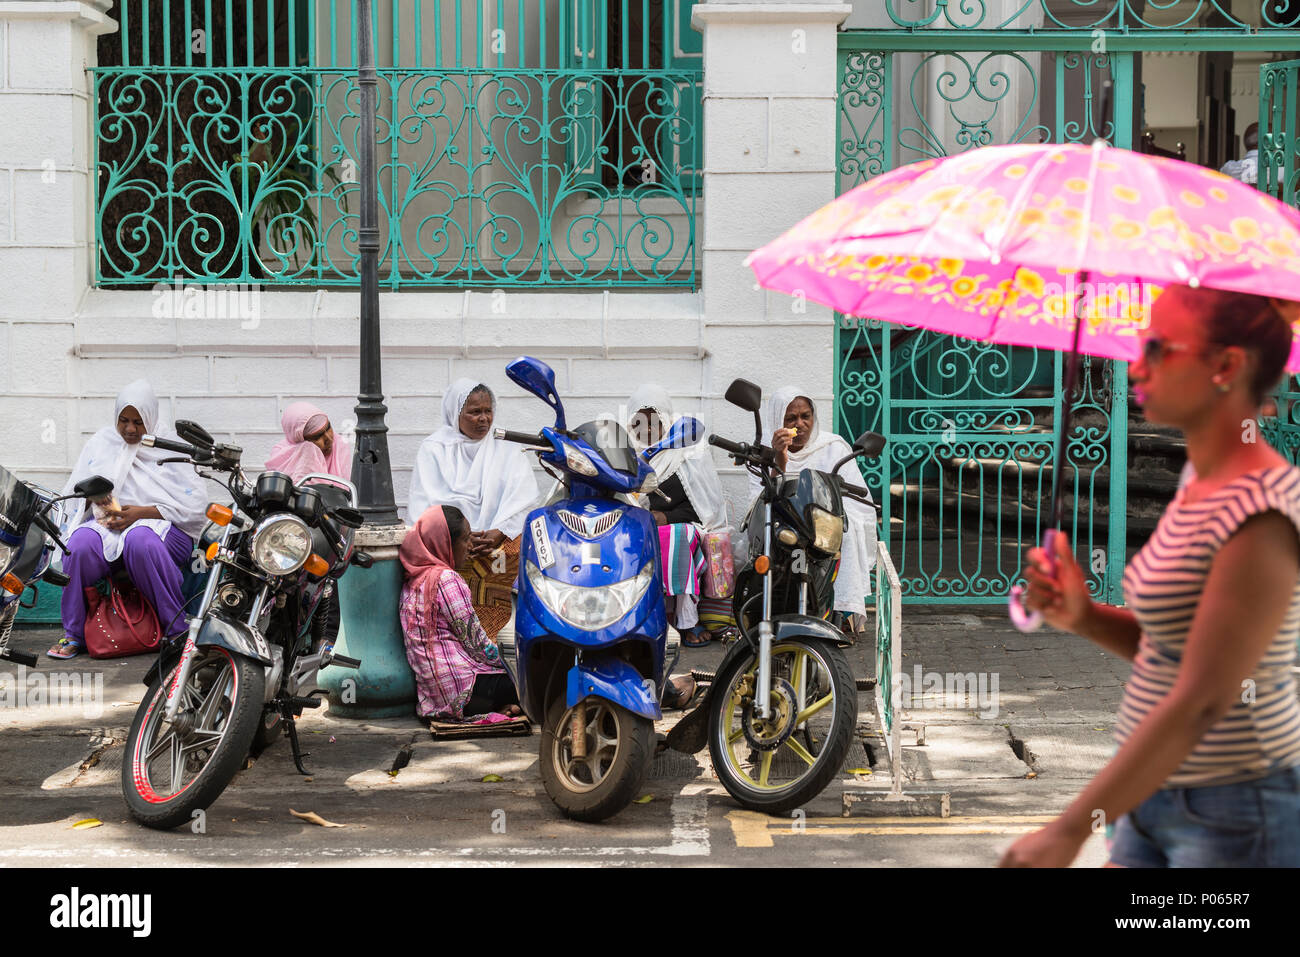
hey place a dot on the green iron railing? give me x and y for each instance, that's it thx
(524, 142)
(1085, 14)
(1279, 175)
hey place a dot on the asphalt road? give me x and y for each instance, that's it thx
(62, 765)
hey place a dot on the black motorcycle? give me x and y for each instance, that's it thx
(779, 715)
(29, 532)
(244, 670)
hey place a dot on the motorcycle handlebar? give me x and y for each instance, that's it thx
(523, 438)
(184, 448)
(735, 448)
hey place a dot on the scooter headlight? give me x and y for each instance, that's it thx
(828, 530)
(588, 608)
(281, 544)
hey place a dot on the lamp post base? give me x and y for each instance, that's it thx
(371, 631)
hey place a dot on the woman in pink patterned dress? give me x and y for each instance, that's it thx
(458, 671)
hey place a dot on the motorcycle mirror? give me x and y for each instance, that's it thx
(348, 516)
(537, 377)
(870, 444)
(194, 433)
(749, 397)
(685, 431)
(94, 487)
(745, 394)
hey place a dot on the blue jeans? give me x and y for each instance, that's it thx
(1252, 824)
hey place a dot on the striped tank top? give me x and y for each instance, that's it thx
(1162, 586)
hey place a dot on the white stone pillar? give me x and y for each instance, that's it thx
(769, 161)
(45, 221)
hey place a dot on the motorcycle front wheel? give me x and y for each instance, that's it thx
(608, 777)
(173, 769)
(780, 763)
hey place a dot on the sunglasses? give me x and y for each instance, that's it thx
(1155, 349)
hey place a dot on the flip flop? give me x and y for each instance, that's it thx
(696, 638)
(65, 648)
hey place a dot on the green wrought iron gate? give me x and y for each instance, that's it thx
(967, 472)
(1279, 176)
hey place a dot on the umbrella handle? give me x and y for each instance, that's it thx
(1023, 619)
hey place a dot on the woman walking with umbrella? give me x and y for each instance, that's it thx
(1208, 769)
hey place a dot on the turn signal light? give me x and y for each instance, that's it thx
(220, 515)
(12, 584)
(212, 550)
(762, 564)
(316, 565)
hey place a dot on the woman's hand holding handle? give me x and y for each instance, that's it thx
(1056, 591)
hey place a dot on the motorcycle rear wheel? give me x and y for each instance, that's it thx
(815, 704)
(171, 770)
(618, 758)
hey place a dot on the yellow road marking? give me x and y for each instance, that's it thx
(752, 829)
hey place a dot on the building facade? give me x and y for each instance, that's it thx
(578, 180)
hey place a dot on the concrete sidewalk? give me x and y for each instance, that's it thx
(1012, 749)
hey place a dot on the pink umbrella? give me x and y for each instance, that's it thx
(988, 245)
(1062, 246)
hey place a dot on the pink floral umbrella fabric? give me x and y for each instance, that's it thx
(989, 244)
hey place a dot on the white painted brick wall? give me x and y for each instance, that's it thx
(66, 349)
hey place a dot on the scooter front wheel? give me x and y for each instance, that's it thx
(780, 762)
(604, 780)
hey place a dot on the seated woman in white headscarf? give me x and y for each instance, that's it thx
(147, 526)
(492, 484)
(792, 429)
(687, 501)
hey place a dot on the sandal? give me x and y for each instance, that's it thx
(66, 647)
(696, 638)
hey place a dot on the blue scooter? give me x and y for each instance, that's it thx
(589, 655)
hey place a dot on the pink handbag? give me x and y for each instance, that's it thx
(123, 624)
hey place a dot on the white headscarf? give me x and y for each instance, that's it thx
(820, 453)
(491, 482)
(693, 464)
(138, 478)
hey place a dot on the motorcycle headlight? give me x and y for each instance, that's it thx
(590, 609)
(828, 530)
(281, 544)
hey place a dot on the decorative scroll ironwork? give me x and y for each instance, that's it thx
(1083, 14)
(581, 169)
(966, 477)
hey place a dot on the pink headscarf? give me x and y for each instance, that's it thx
(297, 457)
(426, 550)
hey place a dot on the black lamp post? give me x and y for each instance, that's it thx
(371, 471)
